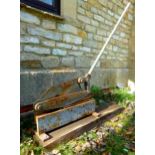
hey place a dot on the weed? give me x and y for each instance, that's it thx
(28, 146)
(120, 96)
(97, 93)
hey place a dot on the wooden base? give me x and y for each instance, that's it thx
(75, 129)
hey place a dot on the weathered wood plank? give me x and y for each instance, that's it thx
(75, 129)
(53, 120)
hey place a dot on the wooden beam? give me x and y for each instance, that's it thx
(75, 129)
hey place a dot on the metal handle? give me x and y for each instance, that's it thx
(107, 41)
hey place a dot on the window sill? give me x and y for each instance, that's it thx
(22, 5)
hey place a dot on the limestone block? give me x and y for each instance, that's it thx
(48, 24)
(94, 23)
(49, 43)
(89, 14)
(110, 13)
(98, 38)
(75, 47)
(84, 19)
(85, 49)
(90, 28)
(90, 43)
(29, 39)
(82, 62)
(22, 28)
(44, 33)
(35, 64)
(90, 36)
(50, 62)
(21, 48)
(115, 48)
(36, 49)
(122, 34)
(72, 39)
(81, 10)
(103, 2)
(29, 18)
(24, 56)
(75, 53)
(63, 45)
(67, 28)
(110, 4)
(130, 17)
(101, 32)
(68, 61)
(94, 10)
(82, 34)
(59, 52)
(108, 23)
(99, 18)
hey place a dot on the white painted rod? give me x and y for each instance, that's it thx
(108, 39)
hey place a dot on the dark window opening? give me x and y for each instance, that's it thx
(52, 6)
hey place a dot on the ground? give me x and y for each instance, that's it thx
(114, 137)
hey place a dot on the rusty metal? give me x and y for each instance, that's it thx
(63, 88)
(53, 120)
(59, 101)
(26, 108)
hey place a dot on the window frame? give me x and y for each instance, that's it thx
(43, 6)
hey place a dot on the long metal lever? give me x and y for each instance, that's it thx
(107, 41)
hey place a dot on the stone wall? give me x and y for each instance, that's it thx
(51, 43)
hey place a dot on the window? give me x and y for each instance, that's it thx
(45, 5)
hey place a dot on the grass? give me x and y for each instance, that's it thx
(120, 96)
(121, 142)
(28, 147)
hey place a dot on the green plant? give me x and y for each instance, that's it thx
(100, 96)
(97, 93)
(92, 135)
(115, 144)
(91, 152)
(28, 146)
(66, 149)
(122, 96)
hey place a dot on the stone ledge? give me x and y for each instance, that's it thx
(34, 82)
(22, 5)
